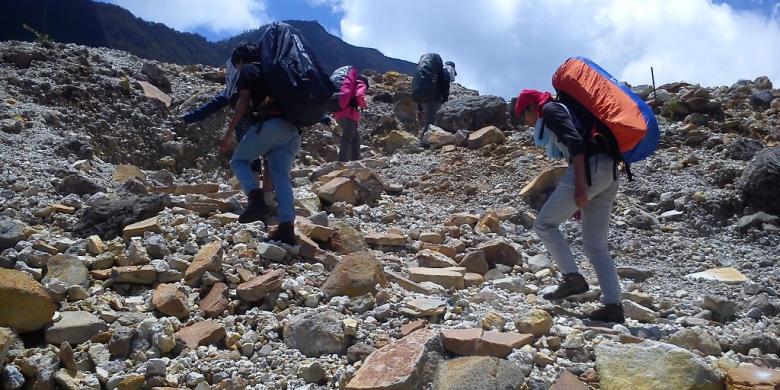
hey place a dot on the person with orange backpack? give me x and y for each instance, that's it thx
(595, 123)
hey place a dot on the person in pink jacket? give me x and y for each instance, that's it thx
(351, 99)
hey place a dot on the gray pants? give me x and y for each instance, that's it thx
(350, 140)
(429, 110)
(595, 224)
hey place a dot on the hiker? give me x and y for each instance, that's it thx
(282, 99)
(243, 53)
(554, 127)
(595, 123)
(431, 88)
(351, 98)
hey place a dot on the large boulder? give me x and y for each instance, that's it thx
(107, 217)
(26, 306)
(478, 373)
(317, 333)
(761, 179)
(472, 113)
(652, 365)
(356, 274)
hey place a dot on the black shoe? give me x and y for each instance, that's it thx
(611, 312)
(573, 284)
(256, 210)
(285, 233)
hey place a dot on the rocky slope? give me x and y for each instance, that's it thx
(122, 264)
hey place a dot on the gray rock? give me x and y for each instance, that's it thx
(10, 233)
(743, 149)
(11, 126)
(107, 217)
(271, 252)
(512, 284)
(660, 365)
(722, 309)
(155, 367)
(756, 220)
(156, 76)
(11, 378)
(472, 113)
(156, 246)
(67, 269)
(78, 184)
(635, 273)
(75, 327)
(478, 373)
(696, 339)
(761, 179)
(539, 262)
(766, 342)
(312, 372)
(316, 333)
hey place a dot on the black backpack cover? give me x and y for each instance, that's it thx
(294, 77)
(425, 83)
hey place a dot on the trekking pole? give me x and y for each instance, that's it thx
(652, 75)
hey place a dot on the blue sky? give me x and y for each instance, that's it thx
(502, 46)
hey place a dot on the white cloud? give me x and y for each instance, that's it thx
(502, 46)
(225, 16)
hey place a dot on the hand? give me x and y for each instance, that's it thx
(226, 144)
(580, 198)
(577, 215)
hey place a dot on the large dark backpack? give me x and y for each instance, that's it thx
(425, 83)
(296, 82)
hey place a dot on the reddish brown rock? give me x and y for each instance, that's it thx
(134, 274)
(462, 219)
(356, 274)
(442, 276)
(432, 259)
(257, 288)
(568, 381)
(411, 326)
(500, 251)
(167, 299)
(477, 342)
(208, 258)
(752, 378)
(216, 302)
(471, 279)
(24, 304)
(202, 333)
(475, 262)
(398, 365)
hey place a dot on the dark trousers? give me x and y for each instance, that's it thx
(350, 140)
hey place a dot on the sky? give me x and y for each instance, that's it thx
(503, 46)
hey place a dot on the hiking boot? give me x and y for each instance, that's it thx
(256, 210)
(573, 284)
(285, 233)
(611, 312)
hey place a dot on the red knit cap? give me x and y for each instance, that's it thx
(531, 96)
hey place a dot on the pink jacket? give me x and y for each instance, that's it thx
(359, 94)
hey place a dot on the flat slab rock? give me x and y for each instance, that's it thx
(725, 275)
(396, 365)
(478, 342)
(202, 333)
(74, 327)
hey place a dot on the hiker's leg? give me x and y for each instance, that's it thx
(268, 185)
(595, 228)
(345, 149)
(355, 142)
(280, 162)
(431, 114)
(558, 208)
(251, 147)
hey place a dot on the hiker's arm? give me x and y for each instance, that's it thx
(241, 108)
(557, 119)
(580, 181)
(215, 104)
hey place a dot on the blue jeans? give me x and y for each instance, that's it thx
(595, 224)
(243, 125)
(279, 141)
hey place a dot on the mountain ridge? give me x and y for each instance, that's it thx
(96, 24)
